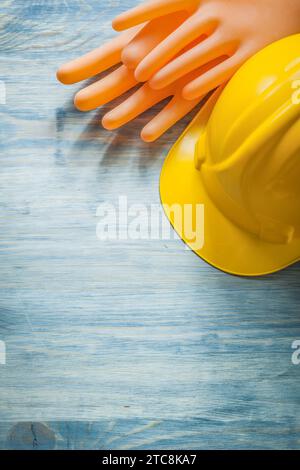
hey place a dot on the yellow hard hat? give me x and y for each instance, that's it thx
(240, 161)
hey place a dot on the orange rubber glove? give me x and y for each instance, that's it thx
(234, 29)
(98, 60)
(122, 79)
(143, 39)
(145, 97)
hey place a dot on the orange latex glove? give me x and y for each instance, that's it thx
(234, 29)
(98, 60)
(143, 39)
(145, 97)
(122, 79)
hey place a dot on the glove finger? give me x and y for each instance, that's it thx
(192, 29)
(149, 37)
(206, 51)
(149, 11)
(143, 99)
(214, 77)
(96, 61)
(105, 90)
(175, 110)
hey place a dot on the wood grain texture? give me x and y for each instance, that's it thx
(128, 344)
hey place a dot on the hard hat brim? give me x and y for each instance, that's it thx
(226, 246)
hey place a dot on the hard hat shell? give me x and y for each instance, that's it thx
(242, 162)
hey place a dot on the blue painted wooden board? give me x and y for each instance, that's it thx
(129, 344)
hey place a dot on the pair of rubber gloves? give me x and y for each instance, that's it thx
(180, 49)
